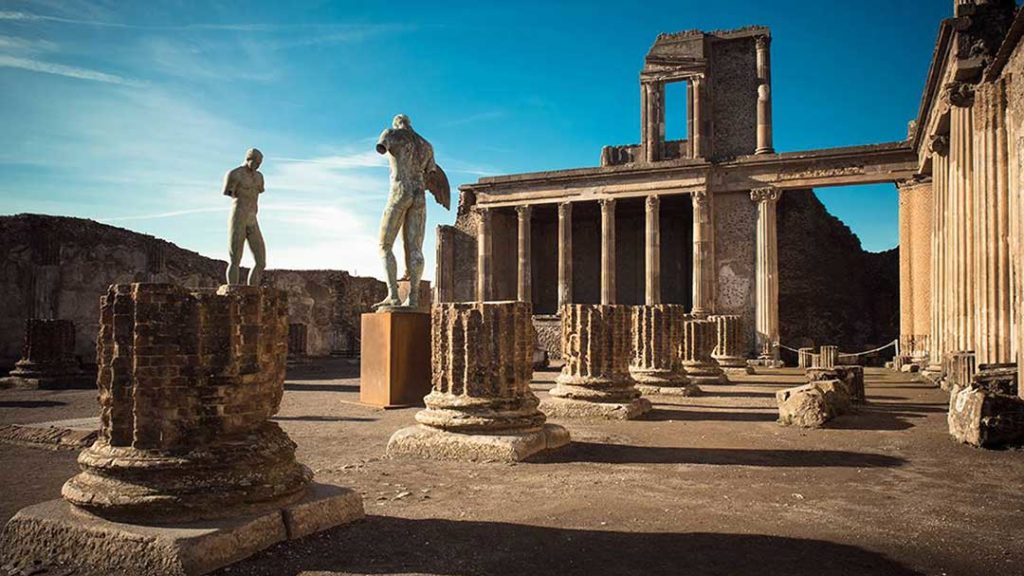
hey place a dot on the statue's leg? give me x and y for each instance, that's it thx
(390, 224)
(412, 239)
(259, 252)
(236, 243)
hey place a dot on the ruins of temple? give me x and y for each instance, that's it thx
(692, 222)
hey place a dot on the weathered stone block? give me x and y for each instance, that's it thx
(852, 378)
(803, 406)
(595, 381)
(986, 419)
(481, 406)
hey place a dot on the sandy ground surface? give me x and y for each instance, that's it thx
(708, 485)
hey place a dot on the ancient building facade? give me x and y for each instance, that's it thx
(960, 214)
(692, 222)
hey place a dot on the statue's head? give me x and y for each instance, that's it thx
(253, 158)
(401, 121)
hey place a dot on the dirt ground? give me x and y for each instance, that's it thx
(708, 485)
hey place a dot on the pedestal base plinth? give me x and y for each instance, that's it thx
(435, 444)
(394, 366)
(688, 389)
(58, 533)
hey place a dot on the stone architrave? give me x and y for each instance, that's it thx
(595, 380)
(657, 338)
(189, 473)
(481, 406)
(730, 344)
(48, 358)
(698, 341)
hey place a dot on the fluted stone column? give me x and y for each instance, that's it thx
(730, 344)
(939, 285)
(828, 357)
(652, 252)
(703, 284)
(481, 406)
(697, 130)
(484, 277)
(524, 274)
(595, 380)
(764, 95)
(804, 357)
(699, 339)
(564, 254)
(961, 182)
(915, 218)
(994, 325)
(607, 251)
(767, 272)
(657, 339)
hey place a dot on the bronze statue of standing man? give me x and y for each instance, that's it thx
(413, 171)
(245, 184)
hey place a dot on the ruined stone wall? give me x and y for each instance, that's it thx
(734, 107)
(329, 303)
(735, 221)
(58, 267)
(830, 290)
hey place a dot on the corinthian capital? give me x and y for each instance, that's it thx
(960, 94)
(767, 194)
(699, 199)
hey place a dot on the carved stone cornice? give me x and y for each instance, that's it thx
(768, 194)
(960, 94)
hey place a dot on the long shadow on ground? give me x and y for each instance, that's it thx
(387, 545)
(625, 454)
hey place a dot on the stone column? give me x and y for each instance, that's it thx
(730, 344)
(804, 357)
(767, 271)
(702, 273)
(188, 383)
(657, 338)
(481, 406)
(564, 254)
(607, 251)
(906, 294)
(484, 279)
(764, 95)
(915, 217)
(939, 284)
(697, 130)
(652, 252)
(699, 340)
(48, 358)
(652, 121)
(595, 380)
(828, 357)
(961, 175)
(524, 277)
(994, 325)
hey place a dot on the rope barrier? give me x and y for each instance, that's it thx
(864, 353)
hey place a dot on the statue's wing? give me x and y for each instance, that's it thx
(437, 183)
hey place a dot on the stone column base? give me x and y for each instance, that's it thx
(435, 444)
(733, 365)
(555, 407)
(58, 533)
(705, 373)
(687, 389)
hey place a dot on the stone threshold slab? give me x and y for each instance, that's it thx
(55, 532)
(570, 408)
(431, 443)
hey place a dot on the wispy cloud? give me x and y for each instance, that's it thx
(170, 214)
(17, 44)
(76, 72)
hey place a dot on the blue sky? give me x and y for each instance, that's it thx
(131, 112)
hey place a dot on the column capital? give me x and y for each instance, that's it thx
(699, 198)
(766, 194)
(939, 144)
(652, 202)
(564, 208)
(607, 203)
(524, 210)
(482, 211)
(960, 94)
(762, 41)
